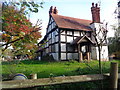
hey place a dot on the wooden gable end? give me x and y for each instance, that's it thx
(51, 24)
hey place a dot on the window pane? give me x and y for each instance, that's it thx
(63, 38)
(63, 56)
(76, 33)
(70, 48)
(63, 47)
(69, 32)
(75, 55)
(69, 38)
(69, 56)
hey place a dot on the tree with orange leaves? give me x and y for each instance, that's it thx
(18, 31)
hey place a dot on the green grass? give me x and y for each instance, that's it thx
(44, 69)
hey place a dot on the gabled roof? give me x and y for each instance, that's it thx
(72, 23)
(82, 39)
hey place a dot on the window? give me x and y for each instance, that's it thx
(63, 47)
(63, 38)
(70, 48)
(69, 32)
(75, 55)
(76, 33)
(69, 38)
(69, 56)
(63, 56)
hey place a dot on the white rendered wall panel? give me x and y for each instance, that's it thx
(69, 38)
(63, 47)
(56, 39)
(56, 47)
(55, 56)
(63, 56)
(63, 38)
(76, 33)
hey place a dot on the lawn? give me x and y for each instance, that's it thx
(45, 69)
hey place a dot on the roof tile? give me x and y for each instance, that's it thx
(72, 23)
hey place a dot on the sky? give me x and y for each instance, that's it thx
(78, 9)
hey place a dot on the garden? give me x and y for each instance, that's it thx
(45, 69)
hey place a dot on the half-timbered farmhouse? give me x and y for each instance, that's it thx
(71, 38)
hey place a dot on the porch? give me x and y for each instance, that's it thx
(83, 44)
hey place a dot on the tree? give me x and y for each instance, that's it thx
(114, 42)
(100, 37)
(18, 31)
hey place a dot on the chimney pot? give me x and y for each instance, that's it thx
(51, 10)
(96, 5)
(55, 11)
(92, 4)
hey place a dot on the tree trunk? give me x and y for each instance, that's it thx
(100, 66)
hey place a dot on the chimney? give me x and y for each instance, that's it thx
(53, 10)
(95, 10)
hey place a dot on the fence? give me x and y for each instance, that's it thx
(113, 77)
